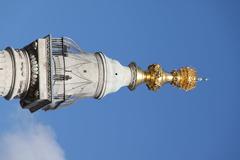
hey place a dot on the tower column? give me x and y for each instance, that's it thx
(6, 72)
(16, 67)
(50, 73)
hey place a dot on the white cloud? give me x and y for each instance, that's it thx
(29, 140)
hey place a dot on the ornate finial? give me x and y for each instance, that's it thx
(185, 78)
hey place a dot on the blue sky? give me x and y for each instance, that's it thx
(169, 124)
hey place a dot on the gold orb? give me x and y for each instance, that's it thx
(184, 78)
